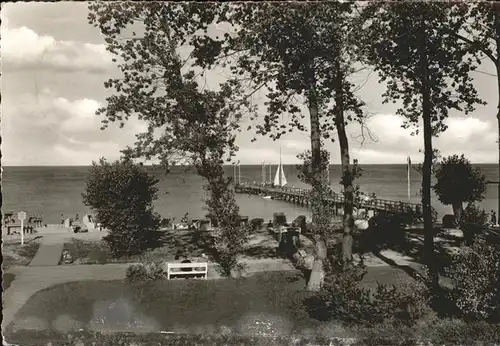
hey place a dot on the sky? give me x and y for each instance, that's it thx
(54, 65)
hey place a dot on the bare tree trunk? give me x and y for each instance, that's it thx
(318, 271)
(497, 64)
(429, 259)
(458, 208)
(347, 177)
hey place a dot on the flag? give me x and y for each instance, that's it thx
(409, 163)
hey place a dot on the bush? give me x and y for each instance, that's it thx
(475, 275)
(472, 222)
(454, 332)
(343, 298)
(136, 273)
(140, 273)
(122, 194)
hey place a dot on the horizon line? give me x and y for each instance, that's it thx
(247, 164)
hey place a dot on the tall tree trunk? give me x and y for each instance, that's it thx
(347, 177)
(428, 254)
(497, 64)
(458, 208)
(318, 271)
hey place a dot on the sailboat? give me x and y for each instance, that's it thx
(280, 178)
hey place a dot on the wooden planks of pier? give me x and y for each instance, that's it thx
(301, 197)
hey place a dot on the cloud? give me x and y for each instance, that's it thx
(473, 137)
(52, 130)
(87, 154)
(23, 48)
(293, 144)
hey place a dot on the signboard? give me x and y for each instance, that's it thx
(21, 216)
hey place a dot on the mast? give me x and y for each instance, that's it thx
(280, 170)
(270, 173)
(263, 173)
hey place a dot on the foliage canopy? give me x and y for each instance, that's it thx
(121, 194)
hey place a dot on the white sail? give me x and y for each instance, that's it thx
(280, 178)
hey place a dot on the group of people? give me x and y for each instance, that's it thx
(76, 219)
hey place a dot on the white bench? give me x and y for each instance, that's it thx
(197, 268)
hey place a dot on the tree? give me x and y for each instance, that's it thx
(458, 183)
(425, 69)
(121, 194)
(481, 34)
(186, 122)
(297, 53)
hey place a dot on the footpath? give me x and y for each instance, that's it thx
(47, 255)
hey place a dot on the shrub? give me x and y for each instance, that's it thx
(342, 297)
(472, 222)
(455, 331)
(136, 273)
(475, 275)
(122, 194)
(140, 273)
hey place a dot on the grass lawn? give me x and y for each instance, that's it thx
(91, 252)
(17, 254)
(179, 305)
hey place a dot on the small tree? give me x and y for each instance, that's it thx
(472, 222)
(122, 194)
(458, 183)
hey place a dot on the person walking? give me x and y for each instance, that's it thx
(493, 218)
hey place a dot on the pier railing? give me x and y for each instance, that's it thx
(300, 195)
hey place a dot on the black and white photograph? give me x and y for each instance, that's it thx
(250, 173)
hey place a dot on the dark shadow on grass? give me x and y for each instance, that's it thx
(33, 239)
(407, 242)
(7, 279)
(261, 252)
(410, 243)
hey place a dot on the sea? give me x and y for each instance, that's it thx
(56, 192)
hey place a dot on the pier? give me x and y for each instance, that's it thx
(302, 197)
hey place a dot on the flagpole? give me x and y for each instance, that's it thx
(239, 173)
(328, 174)
(409, 185)
(234, 173)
